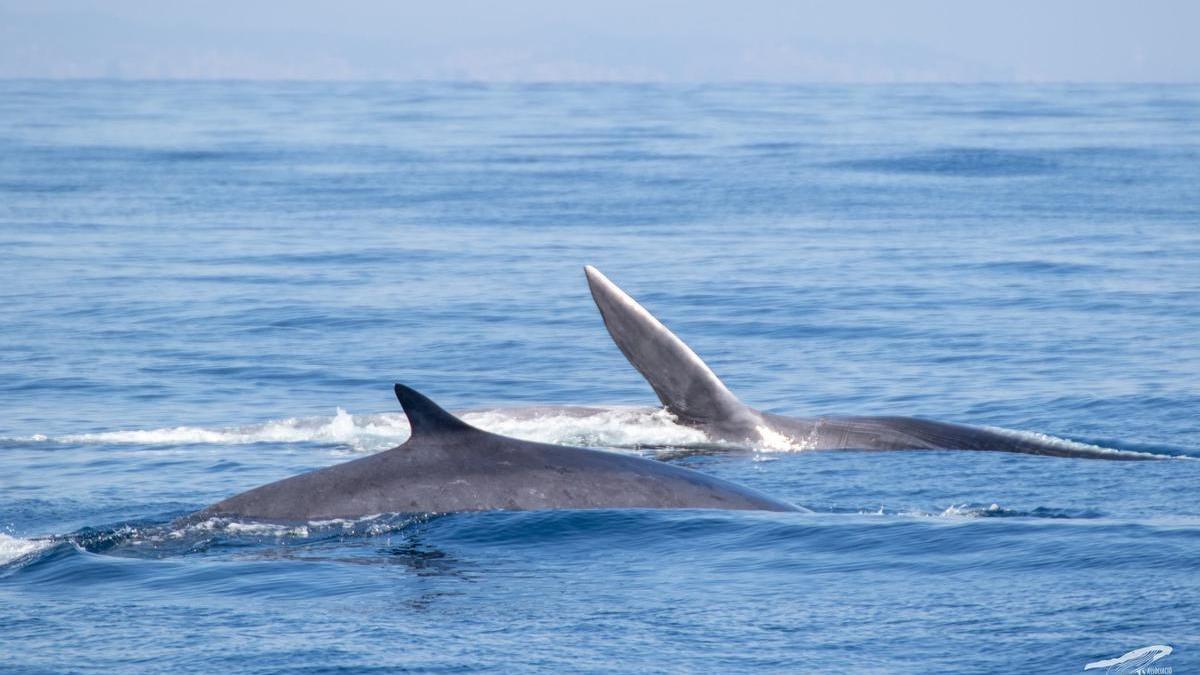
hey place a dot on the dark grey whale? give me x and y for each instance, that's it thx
(447, 465)
(696, 396)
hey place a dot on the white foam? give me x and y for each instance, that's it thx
(773, 441)
(13, 549)
(1065, 444)
(371, 524)
(603, 427)
(607, 427)
(968, 511)
(365, 433)
(952, 511)
(234, 527)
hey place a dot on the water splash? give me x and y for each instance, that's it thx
(603, 427)
(179, 538)
(1076, 446)
(986, 510)
(629, 428)
(972, 510)
(773, 441)
(362, 432)
(14, 549)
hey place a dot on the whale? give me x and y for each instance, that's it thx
(692, 392)
(449, 466)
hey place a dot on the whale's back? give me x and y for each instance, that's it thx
(449, 466)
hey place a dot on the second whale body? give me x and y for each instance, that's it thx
(690, 390)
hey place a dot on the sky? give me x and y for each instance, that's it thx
(606, 40)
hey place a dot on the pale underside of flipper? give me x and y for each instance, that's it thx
(683, 382)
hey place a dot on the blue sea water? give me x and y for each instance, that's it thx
(209, 286)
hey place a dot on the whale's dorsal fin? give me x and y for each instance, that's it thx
(426, 417)
(683, 382)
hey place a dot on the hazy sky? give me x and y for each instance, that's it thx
(543, 40)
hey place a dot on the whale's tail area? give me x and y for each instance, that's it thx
(683, 382)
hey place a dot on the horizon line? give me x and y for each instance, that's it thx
(649, 82)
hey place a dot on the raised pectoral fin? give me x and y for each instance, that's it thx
(683, 382)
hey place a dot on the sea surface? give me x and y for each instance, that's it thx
(206, 286)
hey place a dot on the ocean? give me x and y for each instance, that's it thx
(208, 286)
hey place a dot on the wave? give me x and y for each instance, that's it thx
(13, 549)
(994, 510)
(242, 530)
(985, 510)
(617, 427)
(959, 162)
(1079, 446)
(633, 428)
(365, 433)
(150, 540)
(182, 537)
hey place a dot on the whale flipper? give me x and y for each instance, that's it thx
(681, 379)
